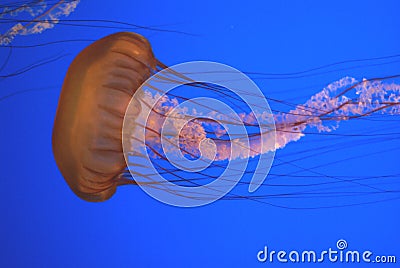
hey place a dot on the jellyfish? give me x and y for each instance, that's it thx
(40, 16)
(305, 128)
(113, 111)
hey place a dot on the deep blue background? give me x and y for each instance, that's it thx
(43, 224)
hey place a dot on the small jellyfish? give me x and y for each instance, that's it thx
(34, 17)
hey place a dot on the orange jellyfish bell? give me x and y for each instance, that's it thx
(87, 133)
